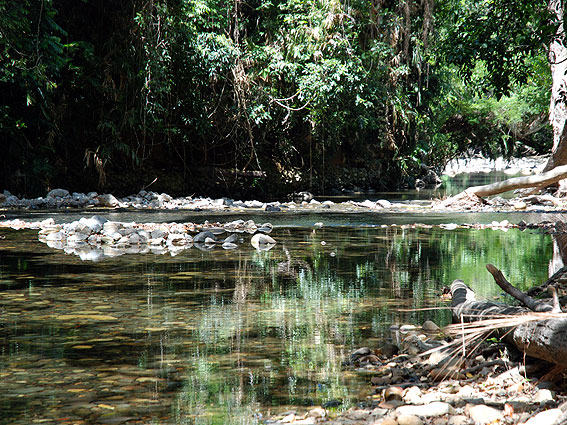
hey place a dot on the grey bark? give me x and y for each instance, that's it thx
(540, 180)
(558, 104)
(543, 339)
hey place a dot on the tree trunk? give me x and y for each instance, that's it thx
(558, 104)
(476, 192)
(544, 338)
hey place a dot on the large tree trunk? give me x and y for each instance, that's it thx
(543, 338)
(558, 105)
(475, 193)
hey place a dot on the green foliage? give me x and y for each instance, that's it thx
(318, 95)
(504, 34)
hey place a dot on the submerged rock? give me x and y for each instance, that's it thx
(262, 242)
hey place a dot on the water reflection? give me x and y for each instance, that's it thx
(221, 336)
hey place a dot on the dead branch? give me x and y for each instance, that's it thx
(524, 298)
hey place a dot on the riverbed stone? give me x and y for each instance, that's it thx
(458, 420)
(317, 412)
(413, 395)
(385, 421)
(548, 417)
(262, 241)
(57, 193)
(543, 396)
(482, 414)
(358, 415)
(108, 200)
(94, 223)
(437, 408)
(409, 420)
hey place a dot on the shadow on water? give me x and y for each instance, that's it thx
(221, 336)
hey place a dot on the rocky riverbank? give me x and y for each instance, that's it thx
(424, 377)
(61, 199)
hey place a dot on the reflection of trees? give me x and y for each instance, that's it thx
(279, 336)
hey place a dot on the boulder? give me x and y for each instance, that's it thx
(57, 193)
(108, 200)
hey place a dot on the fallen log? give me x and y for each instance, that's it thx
(538, 181)
(542, 335)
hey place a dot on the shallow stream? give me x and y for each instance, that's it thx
(227, 337)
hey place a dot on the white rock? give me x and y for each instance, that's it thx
(458, 420)
(108, 200)
(55, 236)
(409, 420)
(544, 396)
(448, 226)
(254, 204)
(112, 226)
(412, 395)
(482, 414)
(95, 223)
(548, 417)
(262, 241)
(384, 203)
(436, 408)
(157, 234)
(47, 222)
(317, 412)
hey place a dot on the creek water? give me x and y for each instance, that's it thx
(227, 337)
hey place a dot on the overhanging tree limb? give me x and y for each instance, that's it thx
(540, 181)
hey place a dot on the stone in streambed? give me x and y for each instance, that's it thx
(203, 236)
(458, 420)
(436, 408)
(57, 193)
(262, 242)
(482, 414)
(94, 223)
(549, 417)
(266, 228)
(409, 420)
(107, 200)
(544, 396)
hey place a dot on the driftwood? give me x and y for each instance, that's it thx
(539, 181)
(542, 335)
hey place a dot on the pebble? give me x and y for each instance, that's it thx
(262, 242)
(544, 396)
(436, 408)
(458, 420)
(409, 420)
(548, 417)
(482, 414)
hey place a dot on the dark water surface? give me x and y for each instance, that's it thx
(222, 337)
